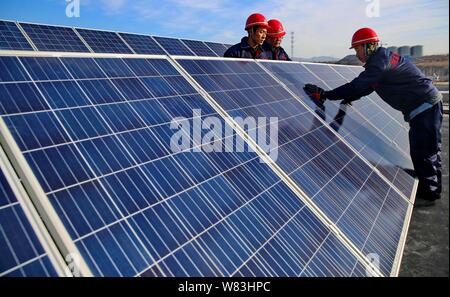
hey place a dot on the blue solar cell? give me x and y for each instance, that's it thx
(218, 48)
(11, 38)
(143, 44)
(38, 68)
(22, 253)
(141, 67)
(11, 70)
(133, 206)
(173, 46)
(104, 41)
(54, 39)
(337, 180)
(199, 48)
(20, 97)
(62, 94)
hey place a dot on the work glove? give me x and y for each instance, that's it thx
(316, 93)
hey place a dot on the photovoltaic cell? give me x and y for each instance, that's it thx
(133, 206)
(142, 44)
(54, 39)
(104, 41)
(199, 48)
(218, 48)
(365, 207)
(349, 121)
(21, 252)
(174, 46)
(11, 38)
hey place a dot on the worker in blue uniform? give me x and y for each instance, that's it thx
(275, 35)
(250, 46)
(405, 88)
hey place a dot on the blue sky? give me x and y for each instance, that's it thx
(322, 27)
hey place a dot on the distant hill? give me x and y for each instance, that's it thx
(349, 60)
(320, 59)
(433, 66)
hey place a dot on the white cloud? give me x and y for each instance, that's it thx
(113, 6)
(321, 27)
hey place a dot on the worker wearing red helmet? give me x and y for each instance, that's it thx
(405, 88)
(251, 46)
(275, 34)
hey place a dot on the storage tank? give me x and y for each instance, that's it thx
(404, 51)
(417, 51)
(393, 49)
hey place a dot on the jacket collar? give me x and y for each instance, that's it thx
(245, 45)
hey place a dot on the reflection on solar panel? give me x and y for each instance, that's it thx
(173, 46)
(21, 252)
(361, 132)
(199, 48)
(142, 44)
(55, 39)
(340, 183)
(11, 38)
(104, 41)
(218, 48)
(135, 208)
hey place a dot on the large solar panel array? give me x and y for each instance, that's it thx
(64, 39)
(133, 207)
(94, 132)
(327, 171)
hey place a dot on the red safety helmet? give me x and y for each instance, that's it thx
(275, 29)
(364, 36)
(256, 19)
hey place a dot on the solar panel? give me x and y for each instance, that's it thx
(104, 41)
(376, 135)
(21, 251)
(348, 122)
(339, 182)
(218, 48)
(133, 206)
(11, 38)
(174, 46)
(199, 48)
(55, 39)
(142, 44)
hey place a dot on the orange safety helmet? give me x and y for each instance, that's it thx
(256, 19)
(364, 36)
(275, 29)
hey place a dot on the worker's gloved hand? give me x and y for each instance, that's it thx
(315, 92)
(347, 102)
